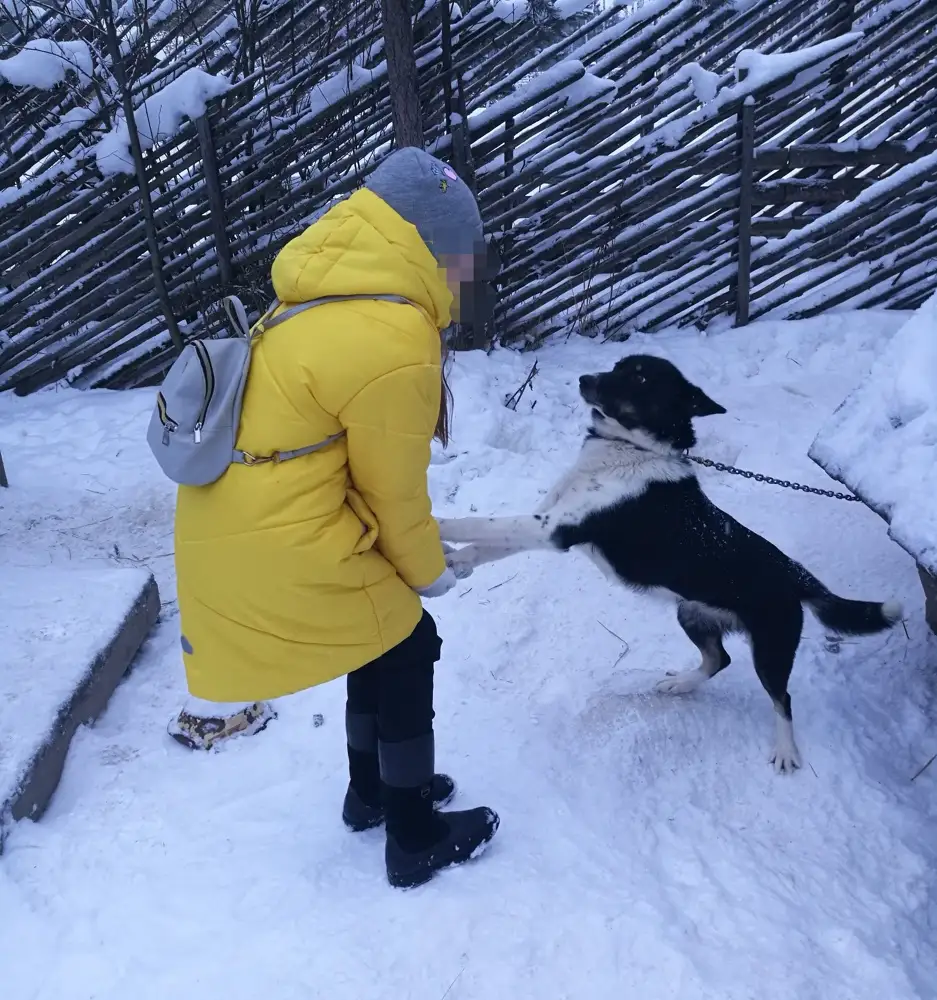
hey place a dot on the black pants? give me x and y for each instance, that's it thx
(396, 690)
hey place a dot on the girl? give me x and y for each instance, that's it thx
(293, 574)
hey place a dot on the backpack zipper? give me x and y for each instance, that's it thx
(208, 374)
(169, 425)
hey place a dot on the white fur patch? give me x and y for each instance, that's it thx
(608, 471)
(727, 621)
(892, 612)
(682, 683)
(786, 757)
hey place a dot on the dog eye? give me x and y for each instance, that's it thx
(640, 379)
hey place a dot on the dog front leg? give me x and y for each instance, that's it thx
(463, 561)
(512, 534)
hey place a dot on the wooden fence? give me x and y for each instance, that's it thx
(637, 173)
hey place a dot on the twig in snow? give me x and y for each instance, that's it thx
(610, 632)
(454, 981)
(904, 625)
(464, 592)
(627, 647)
(513, 398)
(921, 770)
(90, 524)
(502, 583)
(812, 768)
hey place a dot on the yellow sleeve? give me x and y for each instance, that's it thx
(390, 425)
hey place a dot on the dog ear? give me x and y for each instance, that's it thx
(700, 405)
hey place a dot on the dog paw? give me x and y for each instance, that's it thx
(786, 760)
(462, 561)
(682, 683)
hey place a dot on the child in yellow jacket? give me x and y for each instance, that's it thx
(293, 574)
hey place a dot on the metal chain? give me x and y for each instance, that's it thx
(759, 478)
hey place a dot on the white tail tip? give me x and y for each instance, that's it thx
(892, 612)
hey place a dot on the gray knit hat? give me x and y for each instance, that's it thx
(431, 196)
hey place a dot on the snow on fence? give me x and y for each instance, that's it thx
(654, 164)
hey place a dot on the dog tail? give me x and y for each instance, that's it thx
(849, 617)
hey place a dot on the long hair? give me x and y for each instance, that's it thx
(446, 402)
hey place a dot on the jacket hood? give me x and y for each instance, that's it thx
(362, 247)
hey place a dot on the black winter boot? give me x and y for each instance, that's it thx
(363, 808)
(420, 841)
(361, 814)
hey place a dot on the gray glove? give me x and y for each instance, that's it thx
(441, 585)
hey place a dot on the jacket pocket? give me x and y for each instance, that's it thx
(368, 521)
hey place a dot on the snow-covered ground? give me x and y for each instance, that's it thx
(647, 848)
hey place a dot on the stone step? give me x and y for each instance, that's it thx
(67, 637)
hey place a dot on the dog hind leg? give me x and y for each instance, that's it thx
(774, 646)
(705, 631)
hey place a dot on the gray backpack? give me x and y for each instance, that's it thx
(194, 427)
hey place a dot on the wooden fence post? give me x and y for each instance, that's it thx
(215, 201)
(746, 187)
(3, 474)
(844, 16)
(508, 239)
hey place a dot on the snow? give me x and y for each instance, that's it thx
(512, 11)
(526, 95)
(882, 441)
(704, 83)
(50, 633)
(59, 168)
(346, 81)
(43, 63)
(647, 849)
(589, 88)
(762, 71)
(762, 68)
(570, 8)
(73, 119)
(159, 117)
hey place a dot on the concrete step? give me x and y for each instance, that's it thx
(67, 637)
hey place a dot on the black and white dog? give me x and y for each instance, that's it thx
(633, 505)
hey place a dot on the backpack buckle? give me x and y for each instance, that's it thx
(250, 459)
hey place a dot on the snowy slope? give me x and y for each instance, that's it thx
(647, 849)
(882, 441)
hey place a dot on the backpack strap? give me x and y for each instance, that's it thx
(264, 324)
(237, 314)
(245, 458)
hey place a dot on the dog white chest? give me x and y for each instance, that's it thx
(606, 473)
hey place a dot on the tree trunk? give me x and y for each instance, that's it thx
(402, 74)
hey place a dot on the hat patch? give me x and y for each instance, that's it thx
(443, 173)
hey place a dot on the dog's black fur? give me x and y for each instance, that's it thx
(662, 533)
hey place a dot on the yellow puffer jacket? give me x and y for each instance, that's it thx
(292, 574)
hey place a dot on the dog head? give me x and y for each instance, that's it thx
(646, 397)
